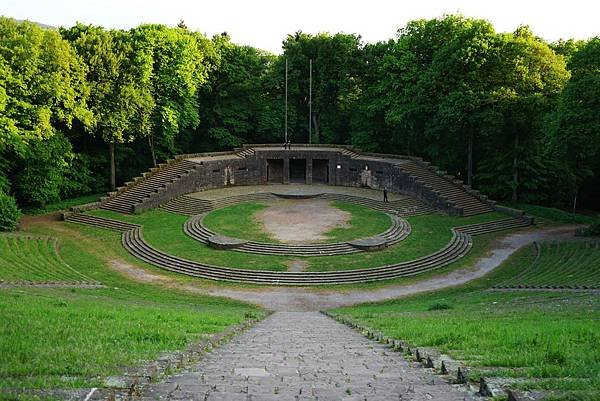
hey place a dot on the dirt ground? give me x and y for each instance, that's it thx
(301, 220)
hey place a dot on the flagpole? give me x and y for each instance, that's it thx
(310, 101)
(286, 100)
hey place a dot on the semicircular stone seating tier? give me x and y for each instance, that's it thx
(457, 247)
(399, 230)
(190, 205)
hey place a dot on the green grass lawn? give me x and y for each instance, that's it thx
(551, 339)
(164, 231)
(239, 221)
(76, 337)
(365, 222)
(430, 233)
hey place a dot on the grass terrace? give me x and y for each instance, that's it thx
(543, 339)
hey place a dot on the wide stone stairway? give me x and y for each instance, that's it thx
(304, 356)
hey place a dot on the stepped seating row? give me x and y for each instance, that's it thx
(458, 246)
(399, 230)
(137, 246)
(188, 205)
(101, 222)
(141, 189)
(245, 152)
(560, 265)
(350, 153)
(454, 193)
(401, 207)
(27, 260)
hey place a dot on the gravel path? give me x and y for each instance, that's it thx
(301, 299)
(304, 356)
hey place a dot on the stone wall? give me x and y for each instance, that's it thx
(327, 163)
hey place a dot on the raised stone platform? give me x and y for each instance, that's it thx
(223, 242)
(374, 243)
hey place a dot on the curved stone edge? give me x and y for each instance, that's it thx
(195, 224)
(223, 242)
(374, 243)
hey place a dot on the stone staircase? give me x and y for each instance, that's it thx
(401, 207)
(149, 184)
(245, 152)
(446, 187)
(458, 247)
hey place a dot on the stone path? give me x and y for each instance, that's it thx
(304, 356)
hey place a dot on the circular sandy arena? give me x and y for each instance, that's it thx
(302, 220)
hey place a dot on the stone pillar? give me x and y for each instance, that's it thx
(334, 172)
(286, 170)
(309, 170)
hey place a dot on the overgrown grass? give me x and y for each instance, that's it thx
(550, 338)
(76, 337)
(62, 205)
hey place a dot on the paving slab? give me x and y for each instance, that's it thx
(304, 356)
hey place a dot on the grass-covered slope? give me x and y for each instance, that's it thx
(77, 337)
(549, 340)
(572, 264)
(34, 259)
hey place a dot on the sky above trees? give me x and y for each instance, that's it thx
(265, 23)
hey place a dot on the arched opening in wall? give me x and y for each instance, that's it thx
(275, 171)
(320, 173)
(298, 171)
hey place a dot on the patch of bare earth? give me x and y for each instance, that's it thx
(302, 220)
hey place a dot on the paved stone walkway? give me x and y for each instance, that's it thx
(304, 356)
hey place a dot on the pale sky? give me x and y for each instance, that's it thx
(266, 23)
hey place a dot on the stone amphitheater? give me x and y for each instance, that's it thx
(192, 185)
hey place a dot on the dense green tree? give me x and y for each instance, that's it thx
(120, 99)
(42, 92)
(177, 62)
(336, 61)
(576, 133)
(233, 104)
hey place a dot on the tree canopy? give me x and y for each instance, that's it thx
(509, 113)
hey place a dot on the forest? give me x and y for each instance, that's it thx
(84, 109)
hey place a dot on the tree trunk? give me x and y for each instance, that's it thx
(515, 172)
(111, 151)
(315, 118)
(151, 144)
(470, 160)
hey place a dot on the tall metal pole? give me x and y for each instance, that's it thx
(310, 101)
(286, 93)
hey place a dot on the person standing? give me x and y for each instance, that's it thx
(385, 197)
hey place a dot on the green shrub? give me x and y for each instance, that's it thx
(9, 212)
